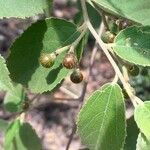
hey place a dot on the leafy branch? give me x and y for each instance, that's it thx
(135, 100)
(40, 64)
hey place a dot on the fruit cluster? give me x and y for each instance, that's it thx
(114, 26)
(70, 62)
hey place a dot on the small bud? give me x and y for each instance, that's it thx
(25, 105)
(108, 37)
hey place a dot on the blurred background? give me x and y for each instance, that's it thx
(54, 113)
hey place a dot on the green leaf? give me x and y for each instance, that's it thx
(132, 134)
(23, 8)
(101, 121)
(5, 82)
(14, 98)
(135, 10)
(94, 16)
(113, 27)
(142, 117)
(42, 37)
(22, 137)
(27, 139)
(132, 45)
(10, 134)
(142, 143)
(3, 125)
(81, 46)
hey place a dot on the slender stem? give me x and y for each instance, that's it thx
(80, 37)
(71, 136)
(133, 98)
(82, 27)
(68, 92)
(74, 44)
(60, 50)
(34, 97)
(104, 20)
(125, 73)
(115, 80)
(65, 99)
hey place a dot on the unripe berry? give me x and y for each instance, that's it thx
(25, 105)
(133, 70)
(47, 60)
(70, 61)
(108, 37)
(76, 76)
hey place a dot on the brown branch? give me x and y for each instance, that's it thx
(71, 136)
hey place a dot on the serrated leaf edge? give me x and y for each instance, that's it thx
(100, 91)
(115, 40)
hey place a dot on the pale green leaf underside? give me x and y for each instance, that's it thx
(136, 10)
(14, 98)
(5, 82)
(12, 130)
(42, 37)
(3, 125)
(132, 45)
(26, 139)
(23, 8)
(142, 143)
(101, 121)
(81, 46)
(142, 118)
(21, 137)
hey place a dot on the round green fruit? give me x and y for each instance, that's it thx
(47, 60)
(108, 37)
(76, 76)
